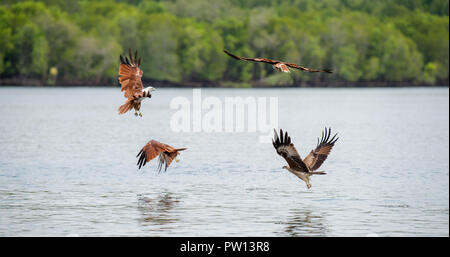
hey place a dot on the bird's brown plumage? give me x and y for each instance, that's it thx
(280, 65)
(317, 156)
(287, 150)
(313, 161)
(130, 79)
(154, 148)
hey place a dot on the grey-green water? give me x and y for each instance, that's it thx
(68, 166)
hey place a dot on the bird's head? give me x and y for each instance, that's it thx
(149, 90)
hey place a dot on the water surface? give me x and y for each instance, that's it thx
(68, 166)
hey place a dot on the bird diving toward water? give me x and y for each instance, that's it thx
(153, 148)
(130, 78)
(279, 65)
(306, 168)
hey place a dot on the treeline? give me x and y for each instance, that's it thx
(182, 41)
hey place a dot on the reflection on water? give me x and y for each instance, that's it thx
(156, 210)
(305, 223)
(68, 166)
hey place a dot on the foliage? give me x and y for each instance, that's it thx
(178, 40)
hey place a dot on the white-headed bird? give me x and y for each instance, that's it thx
(154, 148)
(130, 78)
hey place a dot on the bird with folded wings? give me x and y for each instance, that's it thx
(307, 167)
(279, 65)
(130, 79)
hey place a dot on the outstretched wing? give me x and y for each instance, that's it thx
(130, 75)
(287, 150)
(251, 59)
(151, 150)
(293, 65)
(317, 156)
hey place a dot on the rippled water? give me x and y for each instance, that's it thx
(68, 166)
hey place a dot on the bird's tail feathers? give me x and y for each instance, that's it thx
(125, 107)
(180, 149)
(319, 173)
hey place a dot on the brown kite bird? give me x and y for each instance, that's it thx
(130, 78)
(306, 168)
(279, 65)
(153, 148)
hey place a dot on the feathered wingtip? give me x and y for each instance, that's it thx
(326, 133)
(135, 62)
(275, 140)
(142, 158)
(162, 162)
(232, 55)
(328, 70)
(284, 139)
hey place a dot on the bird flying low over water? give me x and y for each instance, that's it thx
(153, 148)
(306, 168)
(130, 78)
(279, 65)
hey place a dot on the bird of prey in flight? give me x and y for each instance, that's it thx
(307, 167)
(279, 65)
(130, 78)
(154, 148)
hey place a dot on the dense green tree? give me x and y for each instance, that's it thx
(178, 40)
(159, 39)
(200, 52)
(235, 36)
(31, 50)
(6, 36)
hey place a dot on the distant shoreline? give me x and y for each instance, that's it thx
(33, 82)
